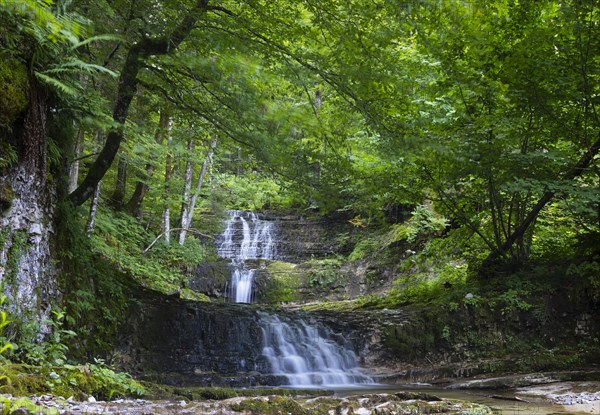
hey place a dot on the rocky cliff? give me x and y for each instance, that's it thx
(28, 275)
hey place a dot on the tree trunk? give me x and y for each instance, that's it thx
(118, 197)
(126, 90)
(74, 165)
(519, 233)
(134, 206)
(239, 163)
(205, 165)
(166, 218)
(33, 139)
(91, 223)
(187, 188)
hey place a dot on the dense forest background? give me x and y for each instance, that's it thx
(463, 132)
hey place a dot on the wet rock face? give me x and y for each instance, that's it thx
(187, 343)
(194, 339)
(210, 279)
(300, 239)
(27, 273)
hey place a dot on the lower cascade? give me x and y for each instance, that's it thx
(308, 355)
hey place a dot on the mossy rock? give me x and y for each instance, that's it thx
(282, 283)
(13, 90)
(275, 405)
(7, 196)
(77, 381)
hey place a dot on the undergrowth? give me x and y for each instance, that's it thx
(122, 240)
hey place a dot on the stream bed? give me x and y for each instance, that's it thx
(359, 400)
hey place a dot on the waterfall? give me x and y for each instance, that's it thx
(246, 237)
(308, 355)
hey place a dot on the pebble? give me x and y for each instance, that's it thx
(577, 398)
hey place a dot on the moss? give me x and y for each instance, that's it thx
(331, 305)
(15, 252)
(13, 90)
(284, 283)
(67, 380)
(324, 273)
(7, 195)
(188, 294)
(158, 391)
(27, 406)
(277, 405)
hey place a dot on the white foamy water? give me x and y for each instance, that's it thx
(246, 236)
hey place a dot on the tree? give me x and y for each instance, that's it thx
(526, 141)
(134, 61)
(134, 204)
(188, 214)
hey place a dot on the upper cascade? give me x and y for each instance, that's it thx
(246, 237)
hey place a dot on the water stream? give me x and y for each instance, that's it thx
(305, 354)
(246, 237)
(309, 354)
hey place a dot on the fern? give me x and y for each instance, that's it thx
(77, 66)
(96, 38)
(57, 85)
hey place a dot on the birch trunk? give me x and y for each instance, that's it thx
(166, 218)
(187, 188)
(91, 223)
(74, 166)
(207, 163)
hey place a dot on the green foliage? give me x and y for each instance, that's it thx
(586, 274)
(5, 345)
(424, 222)
(13, 100)
(49, 371)
(513, 300)
(27, 404)
(67, 380)
(53, 350)
(253, 192)
(18, 244)
(323, 272)
(437, 274)
(122, 239)
(114, 384)
(54, 37)
(440, 289)
(364, 249)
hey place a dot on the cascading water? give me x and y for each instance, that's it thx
(306, 355)
(246, 237)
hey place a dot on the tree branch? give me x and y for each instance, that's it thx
(173, 230)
